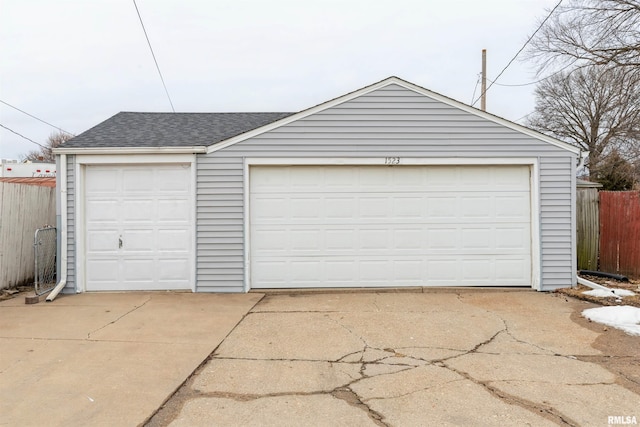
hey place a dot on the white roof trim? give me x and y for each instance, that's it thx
(132, 150)
(386, 82)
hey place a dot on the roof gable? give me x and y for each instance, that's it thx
(407, 85)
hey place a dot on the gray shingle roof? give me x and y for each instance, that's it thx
(129, 129)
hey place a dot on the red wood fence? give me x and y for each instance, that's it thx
(620, 232)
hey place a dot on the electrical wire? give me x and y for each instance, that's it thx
(154, 55)
(526, 115)
(476, 88)
(535, 82)
(518, 52)
(37, 118)
(22, 136)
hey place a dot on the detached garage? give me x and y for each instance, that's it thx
(388, 186)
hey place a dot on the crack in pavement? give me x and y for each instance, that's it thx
(548, 411)
(120, 317)
(414, 391)
(348, 395)
(367, 357)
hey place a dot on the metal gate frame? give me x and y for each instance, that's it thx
(45, 248)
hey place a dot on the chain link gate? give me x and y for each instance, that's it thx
(44, 244)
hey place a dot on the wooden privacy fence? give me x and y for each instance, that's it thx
(23, 209)
(587, 223)
(620, 232)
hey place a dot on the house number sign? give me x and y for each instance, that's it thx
(392, 161)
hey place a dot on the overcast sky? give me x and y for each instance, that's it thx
(75, 63)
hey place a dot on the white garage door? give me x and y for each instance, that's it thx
(374, 226)
(138, 233)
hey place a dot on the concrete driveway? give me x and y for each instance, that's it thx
(413, 359)
(356, 359)
(106, 359)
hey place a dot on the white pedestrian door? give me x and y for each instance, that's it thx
(138, 229)
(366, 226)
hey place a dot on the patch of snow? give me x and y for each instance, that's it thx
(622, 317)
(610, 293)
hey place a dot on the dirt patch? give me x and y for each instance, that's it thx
(6, 294)
(619, 351)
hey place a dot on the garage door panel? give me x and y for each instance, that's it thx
(409, 270)
(103, 271)
(409, 239)
(512, 206)
(103, 241)
(174, 209)
(510, 270)
(138, 180)
(173, 241)
(138, 240)
(137, 210)
(170, 179)
(374, 207)
(100, 210)
(173, 270)
(372, 270)
(103, 181)
(476, 270)
(476, 207)
(304, 240)
(476, 238)
(339, 271)
(270, 208)
(303, 208)
(408, 207)
(441, 271)
(512, 238)
(136, 269)
(381, 226)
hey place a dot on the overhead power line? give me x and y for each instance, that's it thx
(476, 88)
(519, 51)
(37, 118)
(22, 136)
(534, 82)
(154, 56)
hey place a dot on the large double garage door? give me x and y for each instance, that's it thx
(375, 226)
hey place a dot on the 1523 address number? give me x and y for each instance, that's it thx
(392, 161)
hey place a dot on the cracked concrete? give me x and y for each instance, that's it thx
(402, 359)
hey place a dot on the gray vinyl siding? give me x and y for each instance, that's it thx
(557, 228)
(389, 122)
(71, 225)
(219, 229)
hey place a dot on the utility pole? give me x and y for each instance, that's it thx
(483, 96)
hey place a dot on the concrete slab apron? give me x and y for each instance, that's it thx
(106, 359)
(404, 359)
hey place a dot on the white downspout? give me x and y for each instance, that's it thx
(593, 285)
(63, 229)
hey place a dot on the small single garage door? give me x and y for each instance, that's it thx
(375, 226)
(138, 233)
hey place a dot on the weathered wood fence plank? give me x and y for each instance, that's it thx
(23, 209)
(587, 222)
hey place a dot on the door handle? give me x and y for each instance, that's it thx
(120, 242)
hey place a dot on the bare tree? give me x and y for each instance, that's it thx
(594, 108)
(583, 32)
(45, 154)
